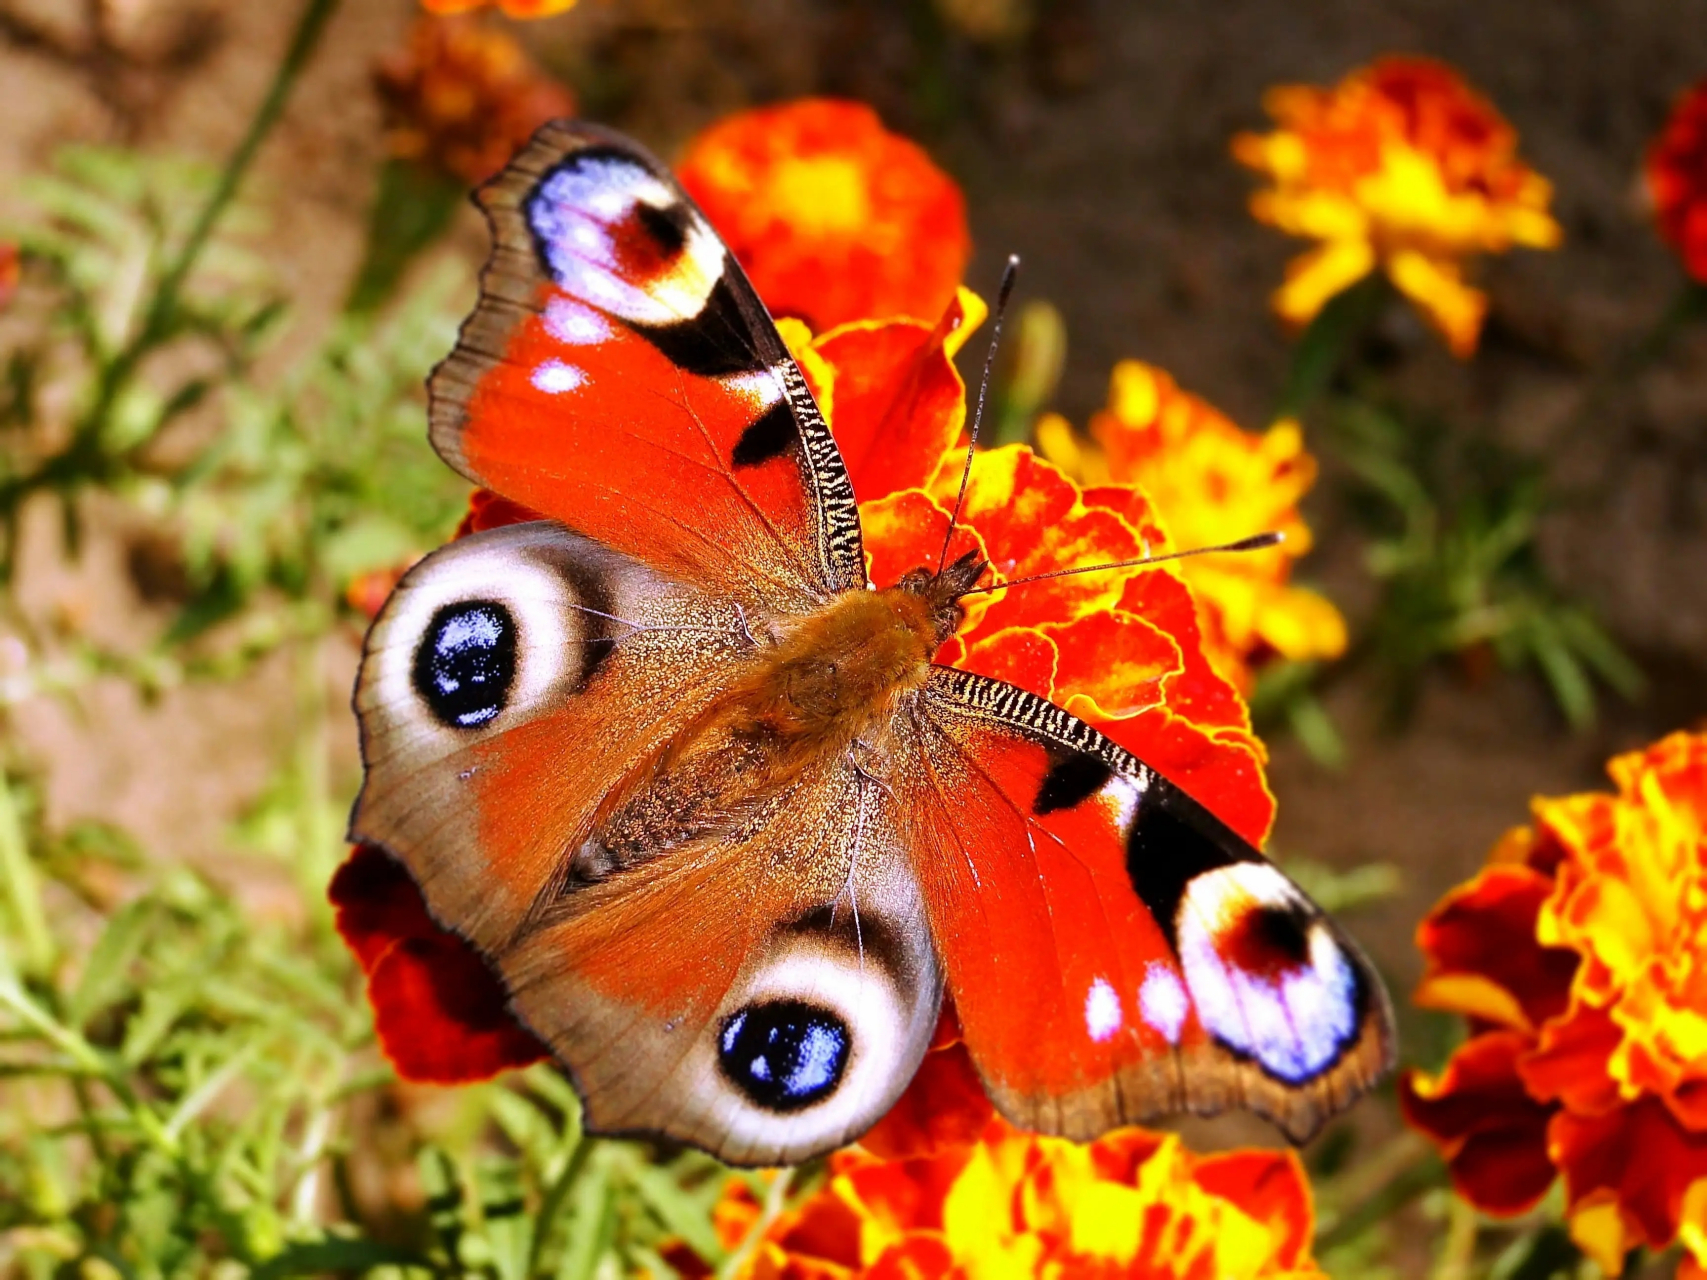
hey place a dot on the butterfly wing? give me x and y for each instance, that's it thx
(1114, 951)
(620, 375)
(754, 976)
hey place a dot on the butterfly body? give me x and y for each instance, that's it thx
(702, 799)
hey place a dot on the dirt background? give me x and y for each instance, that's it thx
(1096, 147)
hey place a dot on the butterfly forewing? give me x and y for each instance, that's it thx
(620, 375)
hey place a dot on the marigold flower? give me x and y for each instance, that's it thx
(511, 8)
(833, 217)
(1210, 481)
(1579, 956)
(464, 96)
(1134, 1203)
(1677, 180)
(1400, 166)
(1123, 650)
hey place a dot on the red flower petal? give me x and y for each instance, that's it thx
(1638, 1152)
(1019, 655)
(1569, 1062)
(1269, 1186)
(1493, 1134)
(896, 403)
(440, 1014)
(1196, 691)
(1031, 517)
(943, 1108)
(1483, 959)
(1117, 660)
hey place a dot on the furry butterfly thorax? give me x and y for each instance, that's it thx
(704, 801)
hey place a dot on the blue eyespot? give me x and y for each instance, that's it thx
(784, 1054)
(467, 662)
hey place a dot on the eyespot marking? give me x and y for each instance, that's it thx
(785, 1055)
(466, 662)
(769, 436)
(1070, 782)
(1267, 976)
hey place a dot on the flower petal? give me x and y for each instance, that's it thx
(898, 401)
(1483, 958)
(1492, 1133)
(440, 1014)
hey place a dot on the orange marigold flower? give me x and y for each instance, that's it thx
(833, 217)
(1677, 180)
(1209, 481)
(1401, 166)
(464, 96)
(1579, 956)
(1134, 1203)
(1123, 650)
(511, 8)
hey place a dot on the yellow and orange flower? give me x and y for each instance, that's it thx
(1579, 956)
(1400, 166)
(1123, 650)
(1210, 482)
(511, 8)
(464, 97)
(1677, 180)
(1017, 1205)
(834, 217)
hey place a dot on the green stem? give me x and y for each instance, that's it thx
(309, 26)
(22, 888)
(1329, 340)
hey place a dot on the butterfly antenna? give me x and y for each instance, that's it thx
(1009, 274)
(1256, 542)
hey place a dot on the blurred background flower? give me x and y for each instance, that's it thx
(463, 96)
(1579, 958)
(1677, 180)
(510, 8)
(1400, 167)
(834, 217)
(1211, 482)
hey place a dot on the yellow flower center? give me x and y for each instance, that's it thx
(821, 195)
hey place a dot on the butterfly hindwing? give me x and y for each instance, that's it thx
(1115, 952)
(620, 375)
(754, 976)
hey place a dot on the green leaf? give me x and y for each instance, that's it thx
(105, 970)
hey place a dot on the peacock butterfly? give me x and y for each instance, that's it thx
(697, 793)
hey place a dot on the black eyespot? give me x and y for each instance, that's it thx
(466, 662)
(784, 1054)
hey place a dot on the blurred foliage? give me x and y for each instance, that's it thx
(281, 489)
(189, 1084)
(1453, 520)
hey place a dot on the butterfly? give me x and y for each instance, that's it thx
(697, 793)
